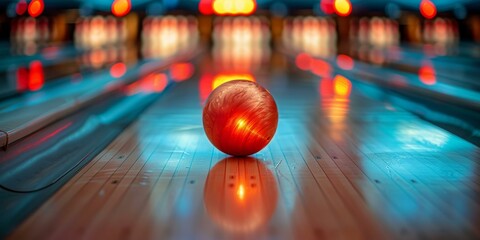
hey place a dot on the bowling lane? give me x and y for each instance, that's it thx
(451, 70)
(53, 90)
(435, 81)
(14, 68)
(342, 164)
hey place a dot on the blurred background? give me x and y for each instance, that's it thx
(106, 33)
(440, 21)
(32, 24)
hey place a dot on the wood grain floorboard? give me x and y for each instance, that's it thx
(352, 168)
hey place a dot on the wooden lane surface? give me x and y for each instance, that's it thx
(354, 169)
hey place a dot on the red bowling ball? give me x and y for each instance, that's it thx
(240, 117)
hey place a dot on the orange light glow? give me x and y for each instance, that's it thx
(97, 57)
(223, 78)
(181, 71)
(335, 103)
(36, 77)
(121, 8)
(36, 7)
(21, 7)
(426, 74)
(153, 83)
(321, 68)
(118, 70)
(303, 61)
(343, 7)
(241, 192)
(428, 9)
(241, 123)
(234, 7)
(345, 62)
(158, 82)
(205, 7)
(342, 86)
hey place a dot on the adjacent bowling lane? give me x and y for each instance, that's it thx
(56, 83)
(343, 164)
(435, 80)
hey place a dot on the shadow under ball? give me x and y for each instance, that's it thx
(240, 117)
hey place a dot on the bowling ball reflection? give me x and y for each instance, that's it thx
(240, 194)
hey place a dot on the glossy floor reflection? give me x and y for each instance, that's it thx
(240, 195)
(344, 164)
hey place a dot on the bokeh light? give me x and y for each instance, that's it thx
(342, 86)
(327, 6)
(21, 7)
(118, 70)
(426, 74)
(205, 7)
(36, 77)
(343, 7)
(121, 8)
(36, 7)
(428, 9)
(181, 71)
(345, 62)
(234, 7)
(303, 61)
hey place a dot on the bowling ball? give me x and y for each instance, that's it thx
(240, 117)
(240, 194)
